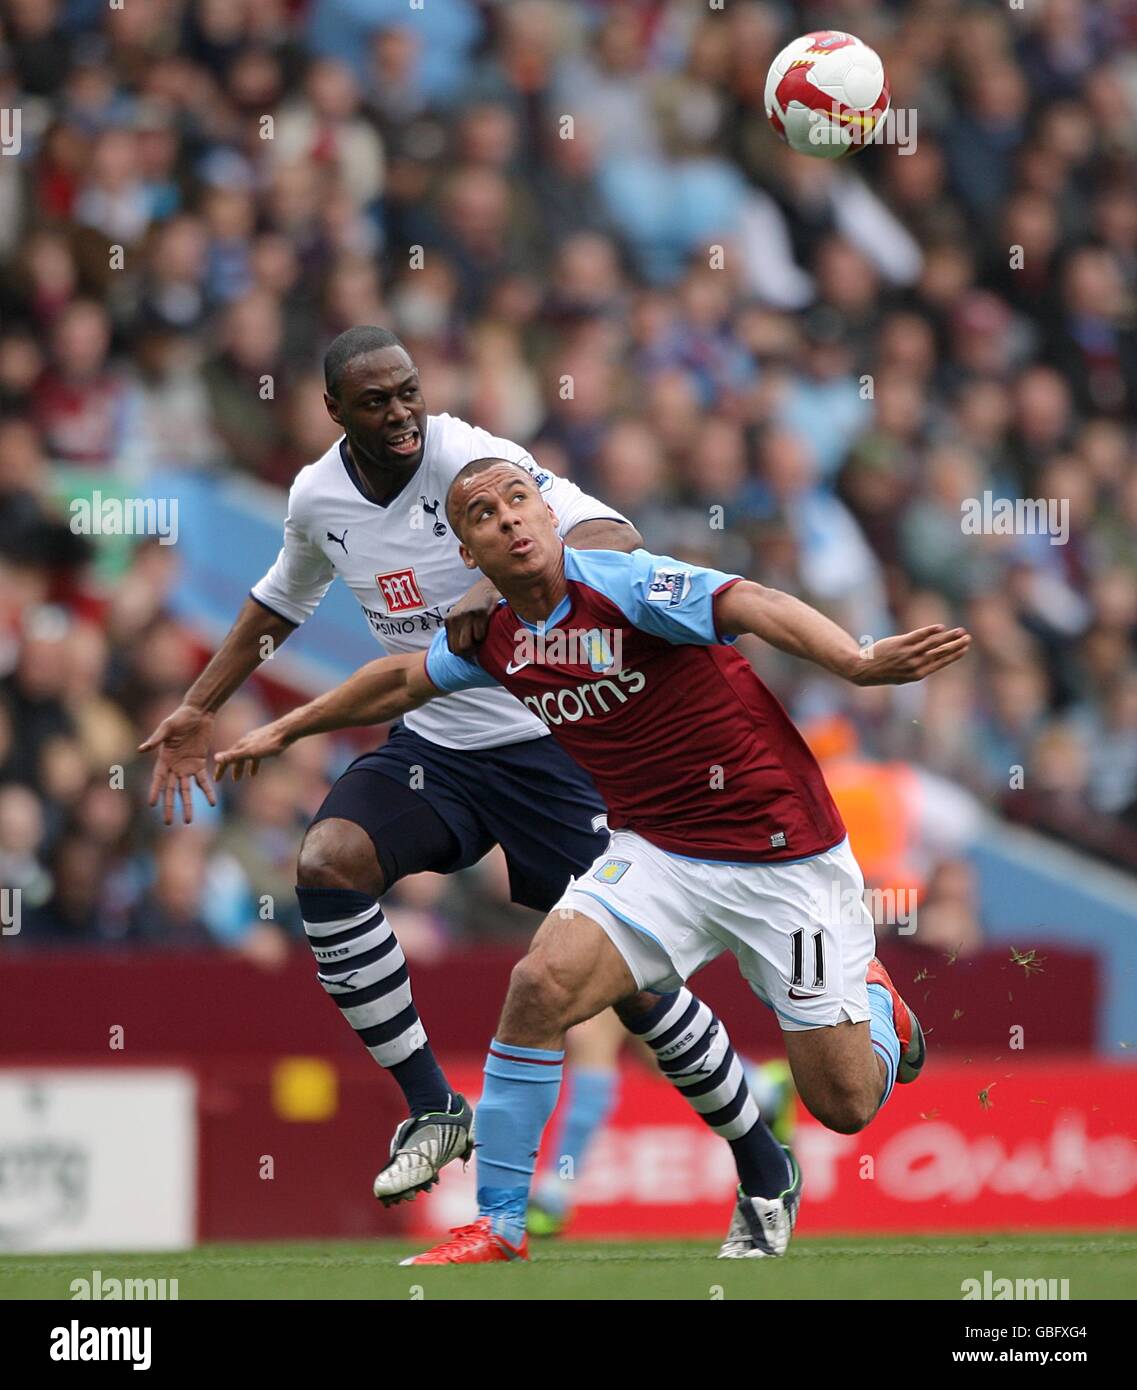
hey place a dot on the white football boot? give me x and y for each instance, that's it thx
(761, 1226)
(421, 1147)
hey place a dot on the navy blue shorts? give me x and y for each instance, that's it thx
(530, 798)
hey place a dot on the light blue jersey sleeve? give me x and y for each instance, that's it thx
(450, 672)
(657, 594)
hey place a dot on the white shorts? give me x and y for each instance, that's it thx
(801, 931)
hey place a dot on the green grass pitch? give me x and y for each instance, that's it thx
(1097, 1266)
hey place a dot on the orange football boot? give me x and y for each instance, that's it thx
(913, 1052)
(475, 1244)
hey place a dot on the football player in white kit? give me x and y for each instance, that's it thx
(454, 778)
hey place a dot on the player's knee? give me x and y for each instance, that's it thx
(846, 1110)
(850, 1117)
(537, 993)
(339, 854)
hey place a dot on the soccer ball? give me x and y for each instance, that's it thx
(827, 94)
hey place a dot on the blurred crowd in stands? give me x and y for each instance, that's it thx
(577, 219)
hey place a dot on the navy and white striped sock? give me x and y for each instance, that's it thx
(695, 1054)
(363, 969)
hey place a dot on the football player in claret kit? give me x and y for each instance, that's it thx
(724, 837)
(454, 779)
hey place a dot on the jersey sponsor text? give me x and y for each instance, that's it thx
(575, 703)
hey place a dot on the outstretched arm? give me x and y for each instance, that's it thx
(377, 693)
(288, 594)
(793, 626)
(182, 738)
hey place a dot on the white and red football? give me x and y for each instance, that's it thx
(827, 94)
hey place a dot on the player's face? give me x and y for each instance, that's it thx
(381, 410)
(508, 530)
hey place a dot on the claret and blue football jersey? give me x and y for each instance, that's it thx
(684, 742)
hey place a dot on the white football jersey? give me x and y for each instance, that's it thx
(401, 561)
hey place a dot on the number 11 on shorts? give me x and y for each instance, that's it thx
(798, 973)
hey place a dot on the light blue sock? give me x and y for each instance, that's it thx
(882, 1031)
(520, 1093)
(592, 1094)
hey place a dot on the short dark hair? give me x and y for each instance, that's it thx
(353, 343)
(468, 470)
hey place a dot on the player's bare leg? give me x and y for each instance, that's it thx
(845, 1073)
(361, 966)
(837, 1074)
(572, 972)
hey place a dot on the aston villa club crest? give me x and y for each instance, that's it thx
(612, 870)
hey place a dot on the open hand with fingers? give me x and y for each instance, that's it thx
(182, 741)
(910, 656)
(248, 752)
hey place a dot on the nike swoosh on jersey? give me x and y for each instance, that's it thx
(512, 670)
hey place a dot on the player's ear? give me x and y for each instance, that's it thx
(467, 559)
(333, 408)
(556, 521)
